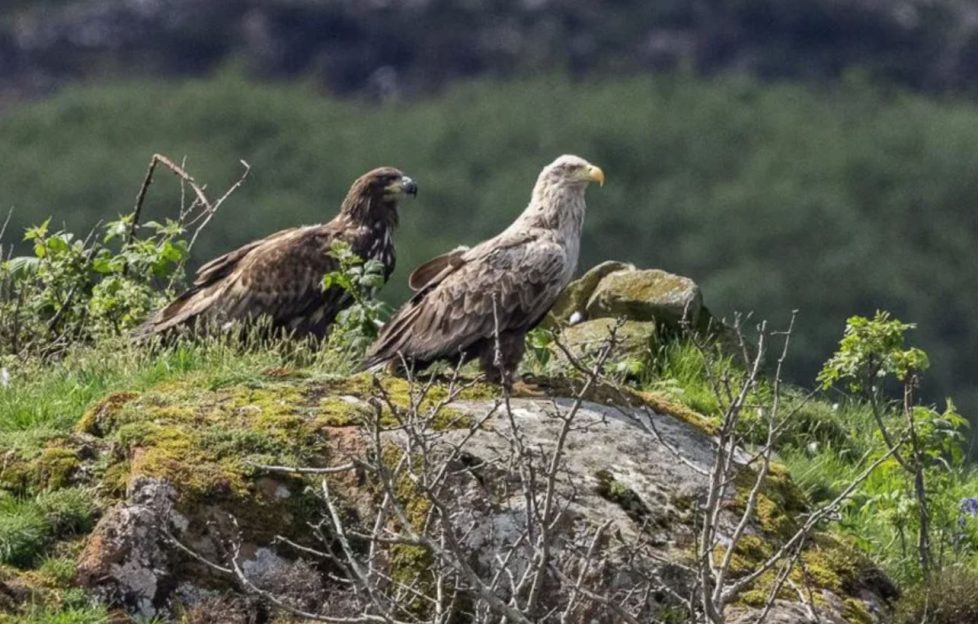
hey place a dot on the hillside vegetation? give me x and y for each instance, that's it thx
(834, 200)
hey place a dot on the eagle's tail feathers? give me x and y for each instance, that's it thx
(182, 310)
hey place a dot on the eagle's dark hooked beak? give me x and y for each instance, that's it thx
(409, 186)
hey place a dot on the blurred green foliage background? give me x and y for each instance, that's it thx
(832, 199)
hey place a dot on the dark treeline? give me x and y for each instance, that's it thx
(385, 49)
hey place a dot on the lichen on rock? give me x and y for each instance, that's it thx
(646, 295)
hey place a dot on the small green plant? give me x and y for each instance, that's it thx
(76, 289)
(60, 571)
(539, 348)
(871, 350)
(23, 531)
(358, 324)
(28, 526)
(871, 355)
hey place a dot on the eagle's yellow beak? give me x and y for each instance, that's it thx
(596, 175)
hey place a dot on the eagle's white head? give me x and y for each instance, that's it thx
(570, 170)
(557, 202)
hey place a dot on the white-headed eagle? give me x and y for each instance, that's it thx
(508, 282)
(280, 276)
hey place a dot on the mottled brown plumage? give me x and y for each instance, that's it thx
(280, 276)
(511, 279)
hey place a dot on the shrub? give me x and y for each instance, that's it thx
(76, 289)
(948, 598)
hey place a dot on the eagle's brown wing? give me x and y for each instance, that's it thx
(436, 269)
(279, 276)
(223, 265)
(520, 277)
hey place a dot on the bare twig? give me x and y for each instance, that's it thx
(305, 470)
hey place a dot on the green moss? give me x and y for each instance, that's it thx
(411, 564)
(99, 418)
(750, 552)
(344, 402)
(114, 479)
(176, 455)
(342, 411)
(779, 501)
(631, 503)
(826, 563)
(833, 564)
(51, 467)
(207, 440)
(55, 467)
(855, 612)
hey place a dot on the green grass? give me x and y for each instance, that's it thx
(680, 371)
(23, 530)
(46, 399)
(881, 517)
(29, 525)
(65, 615)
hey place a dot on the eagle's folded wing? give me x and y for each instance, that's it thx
(512, 284)
(279, 276)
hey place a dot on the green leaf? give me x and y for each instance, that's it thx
(57, 244)
(23, 265)
(102, 264)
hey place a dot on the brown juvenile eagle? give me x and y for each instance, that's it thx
(511, 279)
(280, 276)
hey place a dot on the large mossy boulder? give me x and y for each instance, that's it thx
(575, 297)
(186, 460)
(666, 303)
(647, 295)
(619, 290)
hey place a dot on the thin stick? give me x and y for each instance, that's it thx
(140, 198)
(304, 470)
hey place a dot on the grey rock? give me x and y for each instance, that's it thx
(785, 612)
(633, 338)
(126, 559)
(575, 297)
(615, 469)
(645, 296)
